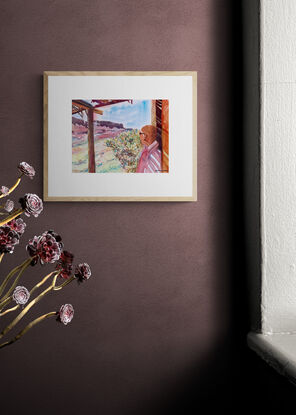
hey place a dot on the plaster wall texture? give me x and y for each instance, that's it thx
(153, 322)
(278, 165)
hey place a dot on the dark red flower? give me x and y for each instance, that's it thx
(17, 225)
(65, 264)
(32, 204)
(46, 247)
(26, 169)
(66, 313)
(56, 236)
(8, 239)
(82, 272)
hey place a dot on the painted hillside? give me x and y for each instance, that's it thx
(106, 161)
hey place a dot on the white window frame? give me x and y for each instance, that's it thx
(270, 138)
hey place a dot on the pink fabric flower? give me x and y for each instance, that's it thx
(17, 225)
(65, 264)
(46, 247)
(21, 295)
(9, 205)
(32, 204)
(4, 190)
(26, 169)
(82, 272)
(66, 313)
(8, 239)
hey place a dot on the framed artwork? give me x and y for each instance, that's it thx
(120, 136)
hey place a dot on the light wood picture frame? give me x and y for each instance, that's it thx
(134, 136)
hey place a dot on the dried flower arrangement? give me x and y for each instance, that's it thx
(47, 248)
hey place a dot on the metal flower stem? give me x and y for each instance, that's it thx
(1, 257)
(16, 280)
(14, 215)
(42, 282)
(56, 288)
(59, 287)
(28, 327)
(11, 274)
(27, 308)
(9, 310)
(13, 187)
(9, 299)
(4, 303)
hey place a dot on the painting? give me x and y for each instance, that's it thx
(120, 136)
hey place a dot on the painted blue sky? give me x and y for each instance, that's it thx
(133, 115)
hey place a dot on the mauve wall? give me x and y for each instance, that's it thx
(152, 323)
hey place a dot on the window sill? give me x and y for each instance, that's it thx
(278, 350)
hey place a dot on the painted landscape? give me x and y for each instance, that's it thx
(106, 134)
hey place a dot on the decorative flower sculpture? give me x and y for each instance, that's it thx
(9, 205)
(66, 313)
(82, 272)
(21, 295)
(4, 191)
(46, 249)
(17, 225)
(65, 264)
(8, 239)
(26, 169)
(31, 204)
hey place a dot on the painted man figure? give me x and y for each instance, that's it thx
(150, 158)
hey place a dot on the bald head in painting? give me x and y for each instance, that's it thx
(148, 134)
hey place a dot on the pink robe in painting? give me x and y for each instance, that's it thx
(150, 159)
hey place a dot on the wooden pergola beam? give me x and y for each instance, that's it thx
(85, 106)
(91, 142)
(75, 111)
(105, 103)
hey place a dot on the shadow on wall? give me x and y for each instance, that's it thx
(199, 386)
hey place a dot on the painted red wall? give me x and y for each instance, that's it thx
(153, 320)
